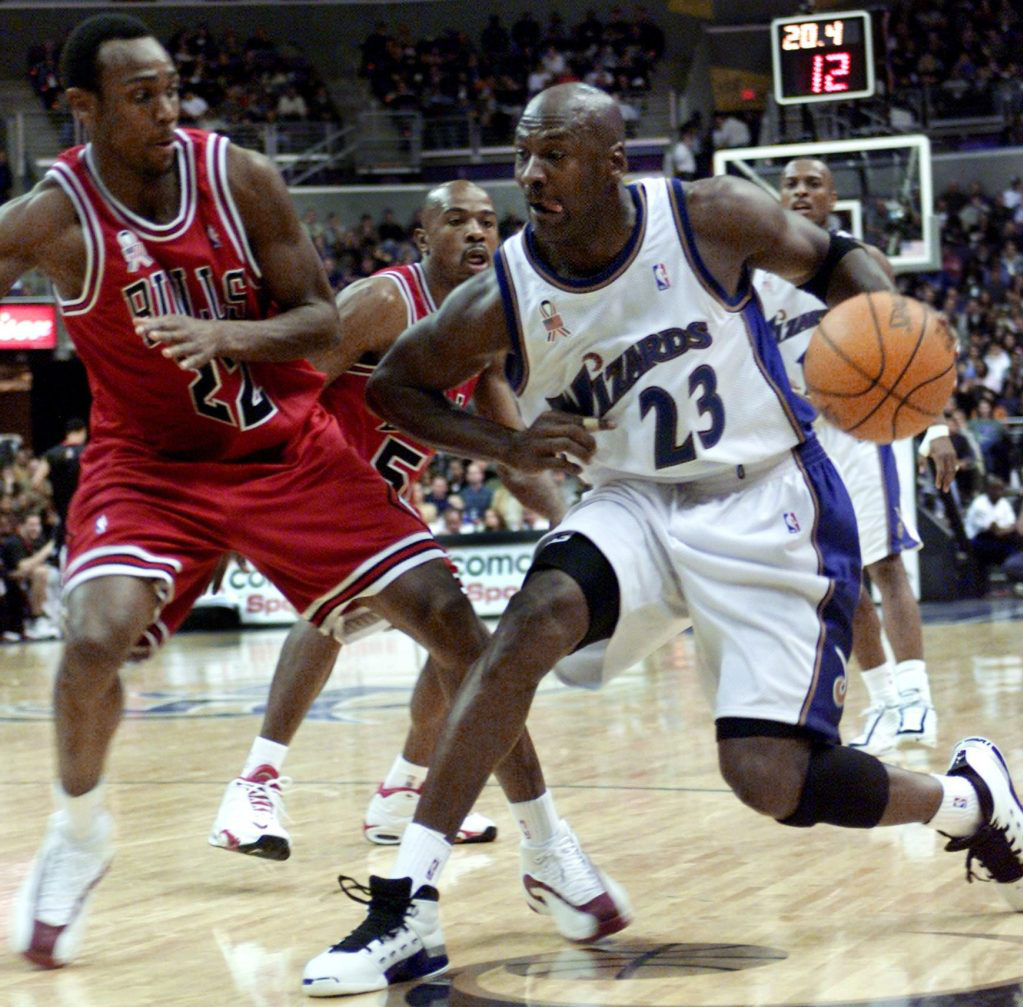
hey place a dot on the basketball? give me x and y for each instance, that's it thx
(881, 366)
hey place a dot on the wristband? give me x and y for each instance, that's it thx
(933, 433)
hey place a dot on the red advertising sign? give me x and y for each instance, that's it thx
(28, 326)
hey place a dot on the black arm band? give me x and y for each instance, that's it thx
(838, 247)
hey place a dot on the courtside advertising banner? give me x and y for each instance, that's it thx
(491, 569)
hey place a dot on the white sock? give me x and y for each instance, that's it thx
(405, 774)
(538, 819)
(959, 814)
(421, 856)
(880, 683)
(265, 752)
(912, 683)
(81, 812)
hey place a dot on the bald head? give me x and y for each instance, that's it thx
(451, 194)
(576, 107)
(808, 187)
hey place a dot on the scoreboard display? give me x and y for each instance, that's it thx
(822, 57)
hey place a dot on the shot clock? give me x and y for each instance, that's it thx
(822, 57)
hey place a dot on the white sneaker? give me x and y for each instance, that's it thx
(918, 723)
(561, 882)
(40, 628)
(997, 846)
(49, 911)
(249, 817)
(400, 940)
(880, 726)
(390, 810)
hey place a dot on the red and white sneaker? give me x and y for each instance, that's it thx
(249, 817)
(49, 912)
(391, 809)
(562, 882)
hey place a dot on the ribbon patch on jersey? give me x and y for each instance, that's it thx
(661, 276)
(134, 252)
(552, 321)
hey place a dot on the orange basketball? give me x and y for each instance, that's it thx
(881, 366)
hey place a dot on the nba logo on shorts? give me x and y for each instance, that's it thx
(661, 276)
(791, 522)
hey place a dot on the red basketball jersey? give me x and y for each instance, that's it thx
(197, 264)
(399, 458)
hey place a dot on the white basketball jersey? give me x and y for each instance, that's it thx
(792, 315)
(691, 376)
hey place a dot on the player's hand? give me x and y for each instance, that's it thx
(942, 452)
(190, 342)
(552, 438)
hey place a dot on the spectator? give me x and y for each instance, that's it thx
(681, 159)
(476, 497)
(193, 106)
(992, 438)
(24, 558)
(291, 105)
(729, 131)
(452, 520)
(60, 465)
(492, 521)
(991, 526)
(439, 494)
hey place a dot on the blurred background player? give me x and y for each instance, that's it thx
(456, 241)
(900, 710)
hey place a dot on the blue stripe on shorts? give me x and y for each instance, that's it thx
(899, 539)
(838, 549)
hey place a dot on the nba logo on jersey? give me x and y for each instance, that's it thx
(661, 276)
(791, 522)
(211, 233)
(552, 321)
(134, 252)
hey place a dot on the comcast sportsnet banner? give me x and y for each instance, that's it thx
(490, 567)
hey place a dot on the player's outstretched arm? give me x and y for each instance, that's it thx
(442, 351)
(739, 225)
(292, 276)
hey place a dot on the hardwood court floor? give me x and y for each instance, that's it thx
(730, 908)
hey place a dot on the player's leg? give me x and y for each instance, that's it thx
(543, 621)
(777, 715)
(392, 806)
(105, 618)
(918, 721)
(881, 717)
(249, 817)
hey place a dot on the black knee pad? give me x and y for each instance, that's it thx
(577, 556)
(843, 786)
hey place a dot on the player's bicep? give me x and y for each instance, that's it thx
(293, 274)
(21, 228)
(786, 243)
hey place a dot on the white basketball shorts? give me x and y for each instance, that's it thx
(869, 473)
(766, 564)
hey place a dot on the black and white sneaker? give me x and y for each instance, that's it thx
(400, 940)
(995, 850)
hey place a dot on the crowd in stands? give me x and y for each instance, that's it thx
(225, 80)
(450, 74)
(967, 53)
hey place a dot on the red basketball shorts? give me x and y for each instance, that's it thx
(316, 520)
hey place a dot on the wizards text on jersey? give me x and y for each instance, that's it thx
(594, 396)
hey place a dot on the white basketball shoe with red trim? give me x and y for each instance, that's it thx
(562, 882)
(391, 809)
(49, 911)
(249, 818)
